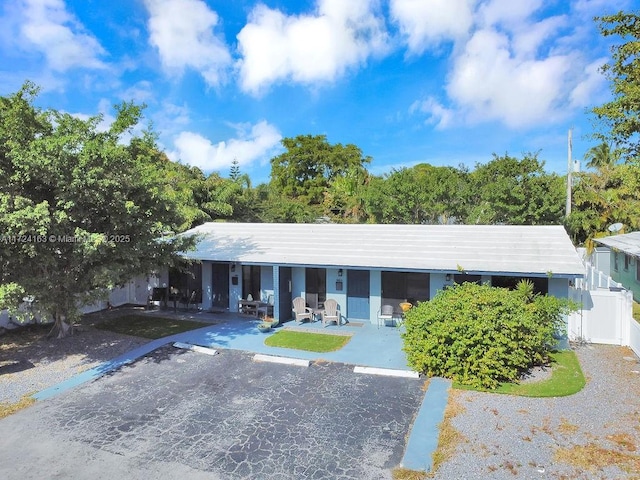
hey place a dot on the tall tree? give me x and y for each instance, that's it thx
(305, 171)
(621, 116)
(423, 194)
(396, 198)
(234, 171)
(601, 155)
(344, 199)
(81, 210)
(602, 198)
(515, 191)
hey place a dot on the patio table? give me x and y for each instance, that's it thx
(250, 307)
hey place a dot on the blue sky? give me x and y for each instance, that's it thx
(446, 82)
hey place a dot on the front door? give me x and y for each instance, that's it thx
(284, 294)
(220, 285)
(358, 294)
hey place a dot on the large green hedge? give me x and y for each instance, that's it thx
(480, 335)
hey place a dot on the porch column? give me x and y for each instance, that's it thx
(375, 294)
(207, 281)
(276, 292)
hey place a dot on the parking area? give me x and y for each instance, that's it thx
(176, 412)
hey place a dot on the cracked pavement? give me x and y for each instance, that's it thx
(176, 412)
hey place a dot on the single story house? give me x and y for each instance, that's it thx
(364, 266)
(624, 260)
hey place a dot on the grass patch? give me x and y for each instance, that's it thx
(7, 409)
(636, 311)
(147, 327)
(592, 457)
(449, 437)
(566, 379)
(311, 342)
(407, 474)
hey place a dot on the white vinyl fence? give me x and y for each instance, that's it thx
(596, 279)
(606, 317)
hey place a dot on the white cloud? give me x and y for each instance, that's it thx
(506, 12)
(183, 33)
(426, 23)
(437, 114)
(308, 48)
(491, 83)
(515, 70)
(592, 83)
(59, 36)
(593, 8)
(529, 40)
(252, 144)
(139, 92)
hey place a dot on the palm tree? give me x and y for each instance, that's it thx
(601, 156)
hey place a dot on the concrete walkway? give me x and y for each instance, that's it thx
(369, 346)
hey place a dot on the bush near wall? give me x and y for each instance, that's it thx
(482, 336)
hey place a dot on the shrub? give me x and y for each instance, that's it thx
(482, 336)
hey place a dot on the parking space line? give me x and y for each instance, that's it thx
(259, 357)
(387, 372)
(195, 348)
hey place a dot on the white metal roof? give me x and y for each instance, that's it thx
(628, 243)
(477, 249)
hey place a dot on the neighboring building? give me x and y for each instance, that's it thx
(624, 256)
(365, 266)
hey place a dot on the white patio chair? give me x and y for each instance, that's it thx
(300, 311)
(330, 313)
(385, 314)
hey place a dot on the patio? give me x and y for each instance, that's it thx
(369, 345)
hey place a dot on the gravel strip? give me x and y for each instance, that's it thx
(594, 434)
(29, 362)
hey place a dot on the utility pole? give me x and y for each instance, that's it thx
(569, 172)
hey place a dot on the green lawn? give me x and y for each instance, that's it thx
(636, 311)
(148, 327)
(312, 342)
(566, 379)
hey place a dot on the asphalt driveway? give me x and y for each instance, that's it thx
(176, 412)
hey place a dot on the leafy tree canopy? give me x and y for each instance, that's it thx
(621, 116)
(515, 191)
(81, 210)
(602, 198)
(305, 171)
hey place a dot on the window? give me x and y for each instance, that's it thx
(186, 278)
(316, 282)
(638, 269)
(251, 281)
(626, 262)
(540, 285)
(401, 286)
(465, 278)
(615, 261)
